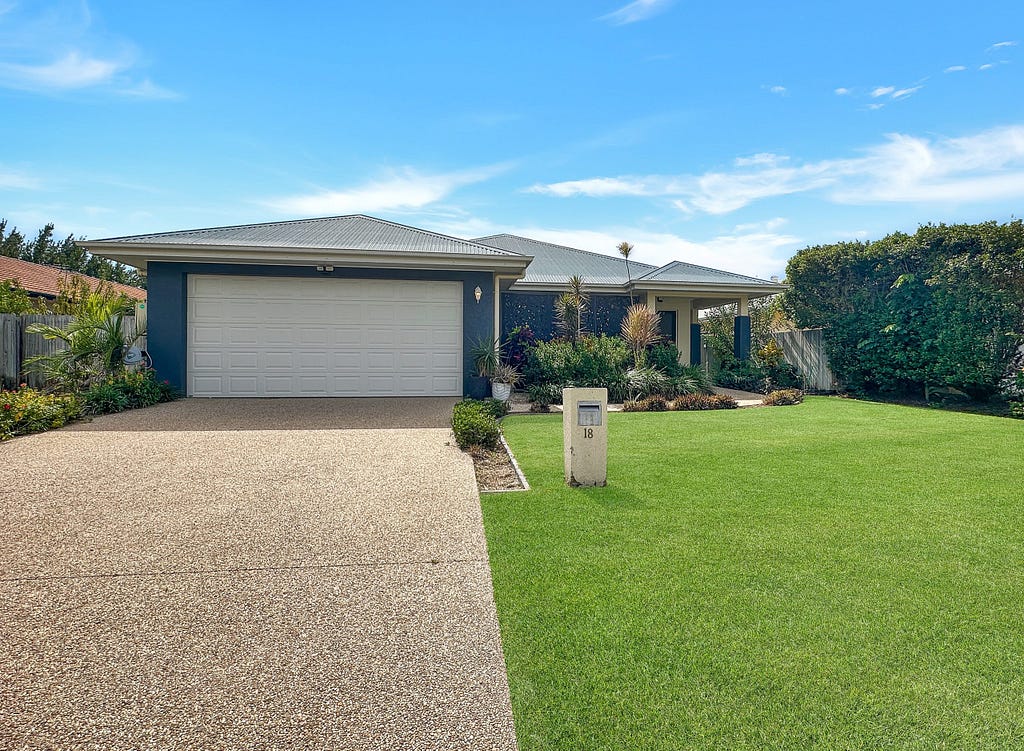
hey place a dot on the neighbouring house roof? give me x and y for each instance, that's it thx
(349, 238)
(678, 271)
(554, 264)
(38, 279)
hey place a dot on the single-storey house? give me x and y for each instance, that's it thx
(359, 306)
(44, 282)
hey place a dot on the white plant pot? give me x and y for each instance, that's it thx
(501, 391)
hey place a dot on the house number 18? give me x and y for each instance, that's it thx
(588, 432)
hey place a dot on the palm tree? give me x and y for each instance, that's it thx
(624, 250)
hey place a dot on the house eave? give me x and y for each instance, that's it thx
(690, 289)
(139, 255)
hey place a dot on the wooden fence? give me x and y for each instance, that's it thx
(804, 349)
(17, 346)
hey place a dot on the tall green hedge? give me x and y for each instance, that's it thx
(909, 314)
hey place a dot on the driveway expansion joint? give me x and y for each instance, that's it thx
(240, 570)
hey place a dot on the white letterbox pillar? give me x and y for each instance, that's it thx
(585, 430)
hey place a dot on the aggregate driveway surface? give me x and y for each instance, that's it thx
(287, 573)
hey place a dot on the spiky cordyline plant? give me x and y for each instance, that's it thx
(640, 330)
(570, 307)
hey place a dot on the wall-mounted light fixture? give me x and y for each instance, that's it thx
(324, 268)
(478, 293)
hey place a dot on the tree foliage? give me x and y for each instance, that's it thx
(65, 253)
(766, 316)
(911, 314)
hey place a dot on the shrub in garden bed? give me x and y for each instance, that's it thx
(475, 424)
(30, 411)
(591, 361)
(654, 403)
(129, 390)
(749, 376)
(783, 397)
(694, 402)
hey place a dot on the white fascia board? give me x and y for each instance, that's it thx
(140, 255)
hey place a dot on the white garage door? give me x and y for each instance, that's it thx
(282, 336)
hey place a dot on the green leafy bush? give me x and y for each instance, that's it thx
(644, 382)
(665, 357)
(747, 375)
(1017, 410)
(591, 361)
(909, 314)
(474, 424)
(543, 395)
(130, 390)
(783, 397)
(694, 402)
(691, 379)
(30, 411)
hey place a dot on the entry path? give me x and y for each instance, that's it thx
(248, 574)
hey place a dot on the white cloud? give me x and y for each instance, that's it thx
(397, 190)
(10, 180)
(50, 51)
(764, 158)
(777, 89)
(904, 93)
(639, 10)
(876, 105)
(882, 91)
(842, 91)
(986, 166)
(986, 66)
(1000, 45)
(758, 253)
(955, 68)
(72, 71)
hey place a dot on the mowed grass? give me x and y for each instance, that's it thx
(834, 575)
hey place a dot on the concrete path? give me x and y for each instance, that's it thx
(307, 574)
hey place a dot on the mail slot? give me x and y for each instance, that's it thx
(589, 413)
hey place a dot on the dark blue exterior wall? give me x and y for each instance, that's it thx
(741, 337)
(167, 287)
(537, 310)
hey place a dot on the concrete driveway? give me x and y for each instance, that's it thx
(293, 573)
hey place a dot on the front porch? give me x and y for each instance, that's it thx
(681, 321)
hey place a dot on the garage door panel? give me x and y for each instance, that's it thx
(276, 336)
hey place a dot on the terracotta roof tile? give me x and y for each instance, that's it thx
(45, 280)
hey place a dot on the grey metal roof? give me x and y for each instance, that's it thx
(677, 271)
(554, 264)
(352, 232)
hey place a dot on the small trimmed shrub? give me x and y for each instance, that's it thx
(783, 397)
(695, 402)
(474, 424)
(654, 403)
(129, 390)
(632, 405)
(1017, 410)
(30, 411)
(543, 395)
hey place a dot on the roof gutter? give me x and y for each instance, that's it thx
(140, 255)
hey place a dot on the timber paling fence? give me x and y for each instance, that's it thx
(804, 349)
(17, 346)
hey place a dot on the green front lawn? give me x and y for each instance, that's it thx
(834, 575)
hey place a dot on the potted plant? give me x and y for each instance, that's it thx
(486, 354)
(503, 379)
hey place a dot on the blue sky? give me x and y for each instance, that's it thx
(729, 135)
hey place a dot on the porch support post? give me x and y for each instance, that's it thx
(694, 335)
(652, 300)
(741, 331)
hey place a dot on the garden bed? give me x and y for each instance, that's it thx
(496, 470)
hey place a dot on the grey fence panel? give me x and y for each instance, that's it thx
(36, 345)
(804, 349)
(10, 350)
